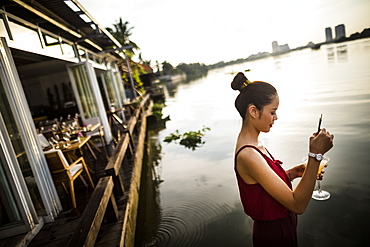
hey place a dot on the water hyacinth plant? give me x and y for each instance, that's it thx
(190, 139)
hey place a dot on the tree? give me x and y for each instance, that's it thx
(146, 62)
(122, 34)
(167, 68)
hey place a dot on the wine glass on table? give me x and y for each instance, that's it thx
(54, 128)
(66, 136)
(51, 142)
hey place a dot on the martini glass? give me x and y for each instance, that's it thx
(320, 194)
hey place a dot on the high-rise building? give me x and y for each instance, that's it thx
(340, 31)
(328, 34)
(275, 47)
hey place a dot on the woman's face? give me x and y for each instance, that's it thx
(268, 115)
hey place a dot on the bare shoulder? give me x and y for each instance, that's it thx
(250, 164)
(248, 156)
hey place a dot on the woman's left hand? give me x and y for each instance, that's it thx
(296, 171)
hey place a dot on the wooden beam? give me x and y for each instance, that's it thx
(91, 219)
(129, 223)
(116, 159)
(55, 23)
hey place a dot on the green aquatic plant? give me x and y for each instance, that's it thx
(190, 139)
(157, 110)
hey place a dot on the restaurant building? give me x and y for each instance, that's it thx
(55, 60)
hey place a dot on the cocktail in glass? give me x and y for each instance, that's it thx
(320, 194)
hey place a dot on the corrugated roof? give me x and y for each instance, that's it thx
(44, 12)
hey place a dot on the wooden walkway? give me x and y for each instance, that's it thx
(109, 212)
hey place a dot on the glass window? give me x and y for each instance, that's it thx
(113, 100)
(119, 83)
(20, 151)
(8, 208)
(3, 31)
(24, 37)
(68, 50)
(84, 90)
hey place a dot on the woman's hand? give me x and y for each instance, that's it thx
(296, 171)
(321, 142)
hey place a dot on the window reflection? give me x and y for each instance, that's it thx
(24, 37)
(8, 208)
(119, 83)
(84, 91)
(18, 147)
(113, 101)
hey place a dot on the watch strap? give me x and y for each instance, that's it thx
(318, 157)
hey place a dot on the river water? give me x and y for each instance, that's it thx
(190, 198)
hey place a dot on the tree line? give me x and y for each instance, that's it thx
(121, 31)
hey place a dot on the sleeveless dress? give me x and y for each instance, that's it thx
(274, 225)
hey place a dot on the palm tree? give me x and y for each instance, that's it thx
(122, 34)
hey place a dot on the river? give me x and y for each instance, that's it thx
(190, 198)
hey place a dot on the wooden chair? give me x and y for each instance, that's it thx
(98, 133)
(62, 171)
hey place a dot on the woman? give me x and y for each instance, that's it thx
(265, 188)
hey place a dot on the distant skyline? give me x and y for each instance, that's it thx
(211, 31)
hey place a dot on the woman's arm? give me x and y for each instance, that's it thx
(253, 168)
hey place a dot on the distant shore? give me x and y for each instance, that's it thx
(364, 34)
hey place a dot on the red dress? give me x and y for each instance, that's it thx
(274, 225)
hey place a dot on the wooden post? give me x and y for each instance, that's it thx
(89, 225)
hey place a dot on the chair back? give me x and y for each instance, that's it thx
(92, 121)
(58, 165)
(43, 141)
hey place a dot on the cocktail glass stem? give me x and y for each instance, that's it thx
(319, 186)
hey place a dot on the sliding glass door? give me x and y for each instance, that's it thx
(88, 95)
(114, 92)
(27, 189)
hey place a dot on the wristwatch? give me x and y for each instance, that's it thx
(318, 157)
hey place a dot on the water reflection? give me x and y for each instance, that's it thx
(198, 203)
(337, 53)
(334, 226)
(172, 82)
(149, 212)
(192, 217)
(171, 88)
(342, 53)
(331, 54)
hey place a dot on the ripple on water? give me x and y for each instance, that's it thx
(186, 222)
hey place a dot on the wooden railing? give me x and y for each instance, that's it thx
(102, 203)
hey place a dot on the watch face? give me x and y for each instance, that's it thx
(319, 157)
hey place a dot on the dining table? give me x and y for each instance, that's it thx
(78, 144)
(75, 145)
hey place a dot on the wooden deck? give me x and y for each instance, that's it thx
(107, 215)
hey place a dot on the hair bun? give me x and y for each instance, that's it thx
(238, 81)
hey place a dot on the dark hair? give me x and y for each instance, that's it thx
(257, 93)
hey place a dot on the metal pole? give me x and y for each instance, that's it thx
(131, 80)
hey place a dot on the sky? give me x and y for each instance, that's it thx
(209, 31)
